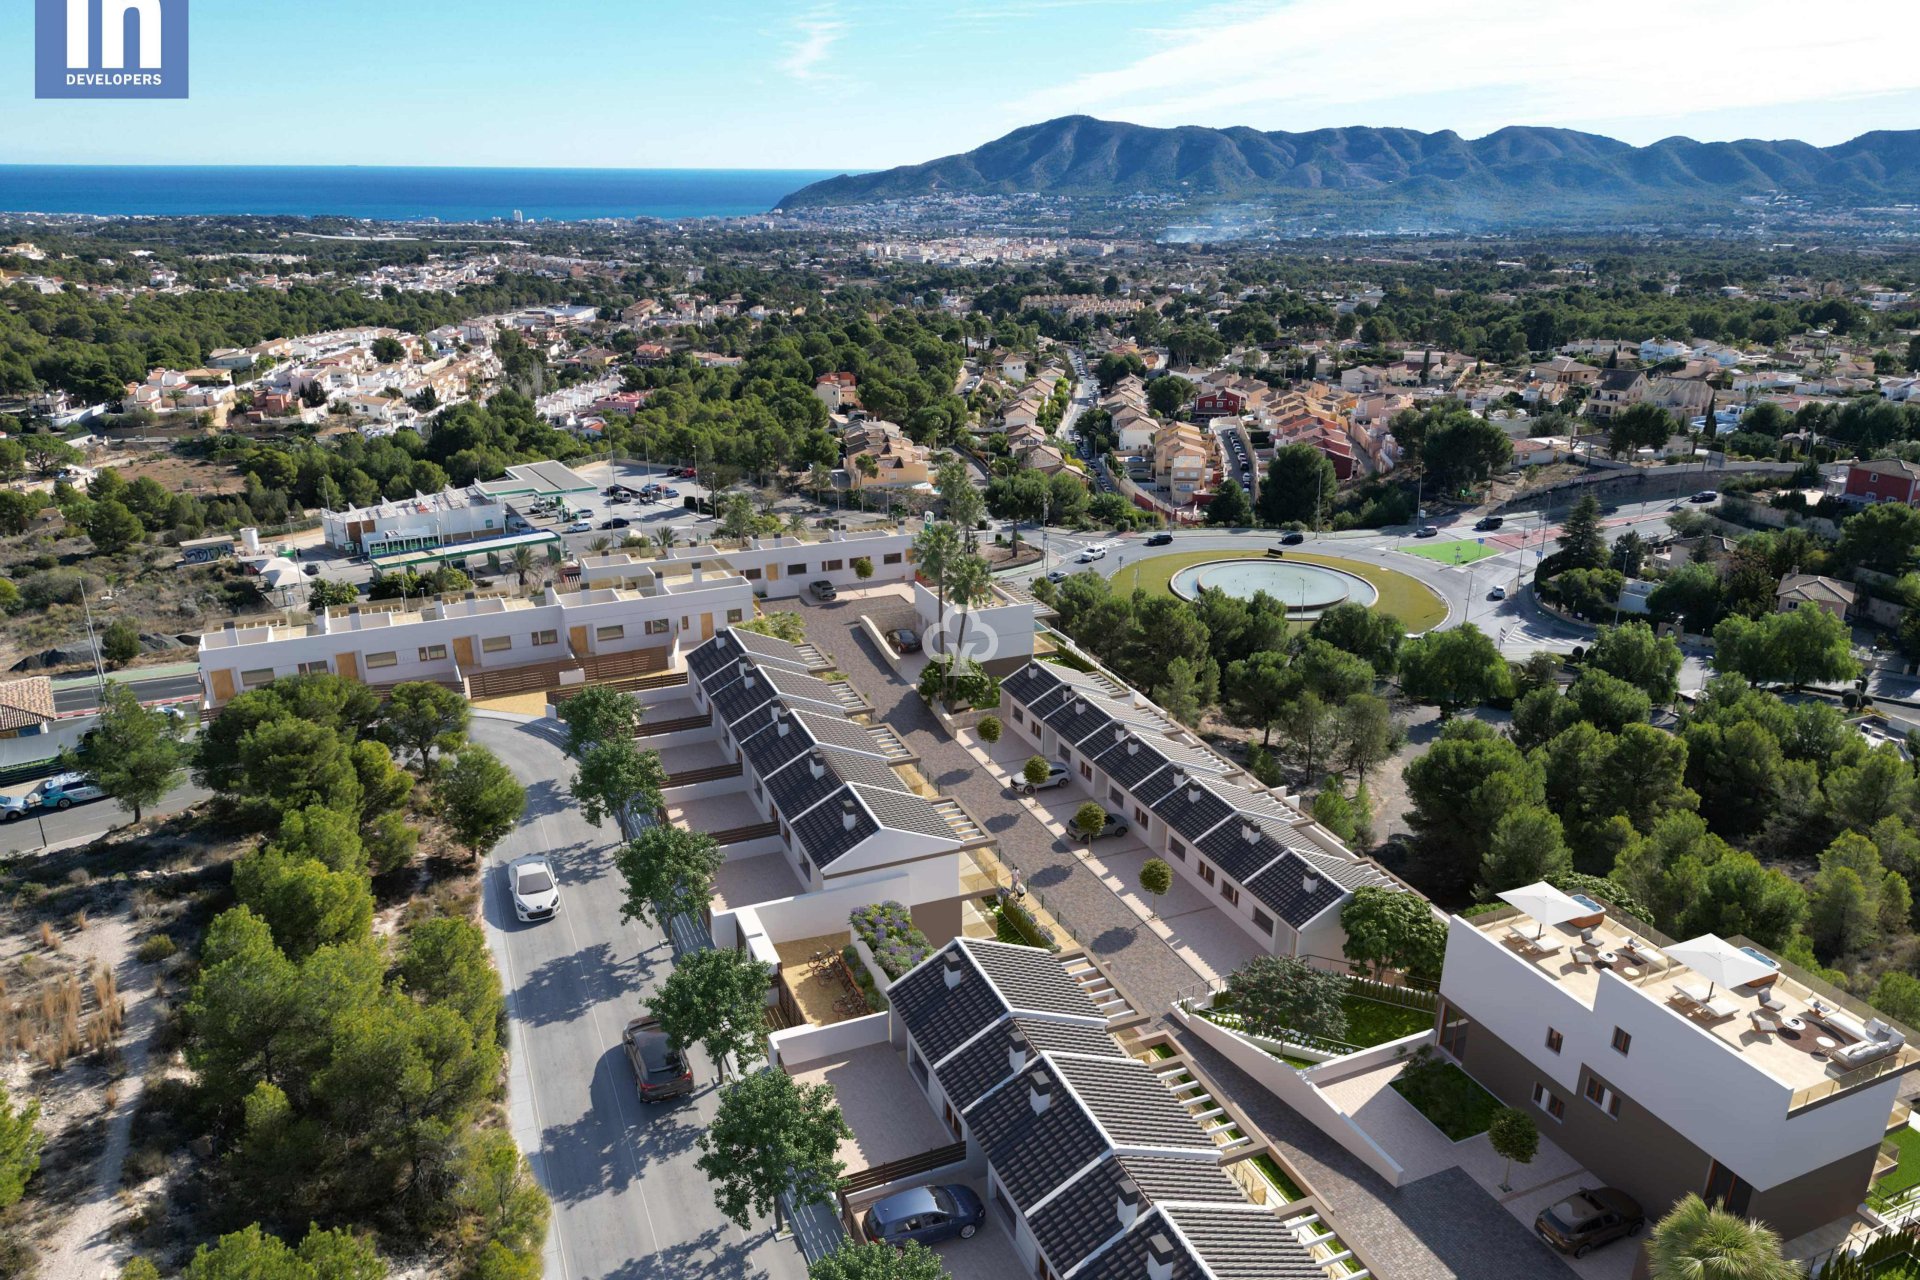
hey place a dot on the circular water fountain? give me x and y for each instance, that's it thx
(1307, 590)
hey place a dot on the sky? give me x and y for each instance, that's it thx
(864, 84)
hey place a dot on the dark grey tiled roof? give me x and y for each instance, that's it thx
(1228, 848)
(766, 748)
(1082, 1217)
(722, 651)
(1031, 979)
(1131, 1104)
(1034, 1153)
(1132, 764)
(742, 697)
(1244, 1244)
(1030, 682)
(1282, 887)
(795, 789)
(773, 649)
(984, 1063)
(939, 1018)
(822, 830)
(904, 811)
(838, 731)
(798, 685)
(1074, 715)
(1171, 1178)
(1191, 810)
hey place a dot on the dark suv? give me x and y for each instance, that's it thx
(659, 1069)
(1589, 1218)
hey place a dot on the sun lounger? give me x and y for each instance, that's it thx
(1764, 1020)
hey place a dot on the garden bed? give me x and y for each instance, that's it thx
(1447, 1096)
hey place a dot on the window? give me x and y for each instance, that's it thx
(433, 653)
(1066, 753)
(1019, 717)
(383, 659)
(1602, 1097)
(545, 637)
(496, 644)
(1114, 796)
(736, 615)
(1549, 1102)
(1140, 815)
(1621, 1041)
(797, 570)
(314, 668)
(1178, 850)
(1727, 1187)
(1231, 894)
(1262, 921)
(831, 566)
(610, 633)
(657, 626)
(892, 557)
(1553, 1040)
(751, 575)
(919, 1065)
(1086, 771)
(806, 863)
(1206, 872)
(1454, 1026)
(257, 677)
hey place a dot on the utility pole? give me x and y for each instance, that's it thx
(99, 667)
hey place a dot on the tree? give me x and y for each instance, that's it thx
(1156, 878)
(252, 1254)
(425, 717)
(668, 871)
(306, 904)
(772, 1135)
(1308, 723)
(1365, 734)
(1258, 689)
(863, 565)
(1883, 537)
(1391, 929)
(386, 349)
(1168, 394)
(1230, 508)
(132, 752)
(20, 1145)
(1513, 1137)
(1278, 996)
(1806, 646)
(716, 998)
(1881, 786)
(878, 1260)
(1606, 703)
(445, 962)
(1301, 485)
(1582, 543)
(113, 528)
(1528, 845)
(596, 714)
(479, 799)
(497, 1188)
(616, 778)
(1631, 652)
(1696, 1241)
(1452, 669)
(1366, 634)
(120, 643)
(1179, 693)
(1089, 820)
(1460, 448)
(1461, 787)
(935, 549)
(325, 593)
(989, 729)
(1035, 770)
(1640, 426)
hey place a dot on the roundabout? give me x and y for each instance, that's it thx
(1307, 590)
(1418, 606)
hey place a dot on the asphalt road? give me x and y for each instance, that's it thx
(86, 697)
(86, 821)
(628, 1203)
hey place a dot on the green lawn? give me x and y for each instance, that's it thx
(1406, 598)
(1907, 1175)
(1451, 1099)
(1270, 1167)
(1372, 1022)
(1456, 551)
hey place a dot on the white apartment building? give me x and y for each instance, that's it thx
(415, 524)
(779, 568)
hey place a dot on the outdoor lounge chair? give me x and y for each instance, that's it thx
(1764, 1020)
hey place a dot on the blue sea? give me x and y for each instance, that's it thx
(397, 194)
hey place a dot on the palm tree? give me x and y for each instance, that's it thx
(665, 539)
(1698, 1241)
(819, 479)
(523, 563)
(934, 550)
(601, 545)
(968, 577)
(867, 467)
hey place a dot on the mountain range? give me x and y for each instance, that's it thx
(1508, 171)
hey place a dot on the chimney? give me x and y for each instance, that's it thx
(1133, 746)
(1126, 1205)
(1250, 833)
(1079, 706)
(781, 726)
(848, 815)
(1119, 733)
(1017, 1048)
(1159, 1257)
(954, 970)
(817, 765)
(1041, 1092)
(1193, 792)
(1309, 883)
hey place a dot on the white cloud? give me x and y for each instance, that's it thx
(1640, 66)
(815, 34)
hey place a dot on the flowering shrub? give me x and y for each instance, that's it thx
(889, 932)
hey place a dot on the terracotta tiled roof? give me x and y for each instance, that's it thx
(26, 702)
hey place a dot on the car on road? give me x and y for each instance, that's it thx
(1678, 506)
(1090, 555)
(1116, 826)
(312, 571)
(1057, 776)
(579, 526)
(1589, 1218)
(535, 890)
(926, 1214)
(1162, 539)
(903, 640)
(1485, 523)
(1705, 495)
(61, 791)
(1058, 575)
(1292, 538)
(823, 590)
(1425, 531)
(618, 522)
(686, 473)
(669, 493)
(1497, 593)
(660, 1070)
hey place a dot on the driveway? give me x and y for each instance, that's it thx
(628, 1202)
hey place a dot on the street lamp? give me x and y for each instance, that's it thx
(99, 667)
